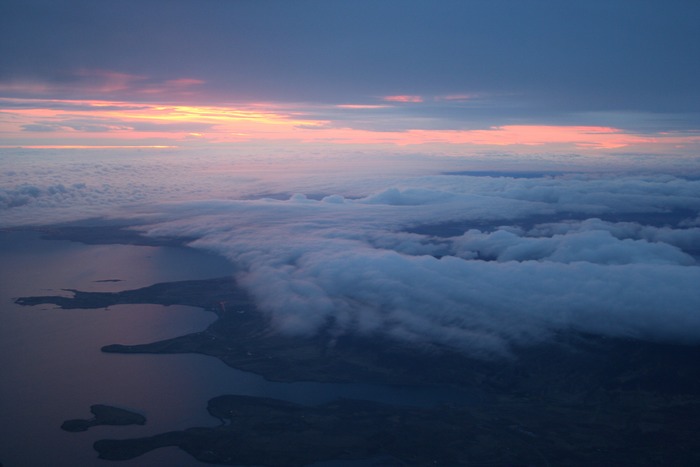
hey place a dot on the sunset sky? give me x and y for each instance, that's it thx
(451, 76)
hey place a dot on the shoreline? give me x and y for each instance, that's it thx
(579, 399)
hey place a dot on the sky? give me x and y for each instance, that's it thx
(451, 77)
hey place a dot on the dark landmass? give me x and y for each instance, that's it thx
(105, 235)
(104, 415)
(260, 431)
(110, 280)
(243, 339)
(576, 400)
(210, 294)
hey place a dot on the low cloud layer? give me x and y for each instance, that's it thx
(350, 266)
(475, 263)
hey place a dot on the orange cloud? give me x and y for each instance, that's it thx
(74, 121)
(37, 122)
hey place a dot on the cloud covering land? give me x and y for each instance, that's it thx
(480, 264)
(346, 266)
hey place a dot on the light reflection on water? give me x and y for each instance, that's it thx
(53, 370)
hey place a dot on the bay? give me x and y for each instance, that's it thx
(53, 370)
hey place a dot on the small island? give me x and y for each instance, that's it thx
(104, 415)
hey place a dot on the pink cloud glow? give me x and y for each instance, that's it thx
(586, 138)
(403, 99)
(71, 121)
(77, 123)
(361, 106)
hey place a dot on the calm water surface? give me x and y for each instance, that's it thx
(52, 368)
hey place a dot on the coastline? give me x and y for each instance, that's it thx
(597, 382)
(579, 400)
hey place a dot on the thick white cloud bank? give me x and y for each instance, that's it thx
(474, 263)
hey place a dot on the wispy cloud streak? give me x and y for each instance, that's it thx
(70, 122)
